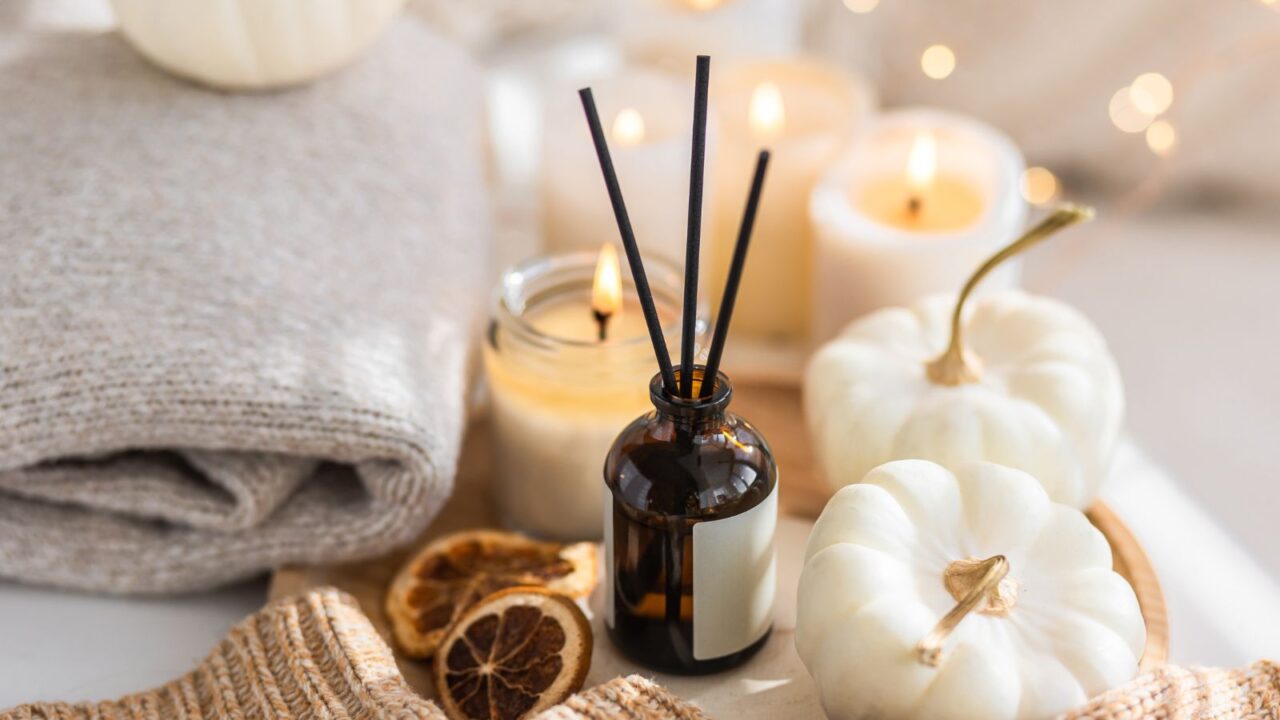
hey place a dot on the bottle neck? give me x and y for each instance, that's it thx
(697, 423)
(696, 414)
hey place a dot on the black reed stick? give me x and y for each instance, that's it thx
(693, 240)
(629, 241)
(735, 276)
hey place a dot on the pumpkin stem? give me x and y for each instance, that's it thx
(956, 365)
(971, 582)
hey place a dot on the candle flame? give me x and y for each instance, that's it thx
(628, 127)
(606, 289)
(767, 115)
(922, 163)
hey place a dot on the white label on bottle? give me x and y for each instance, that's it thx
(608, 557)
(734, 580)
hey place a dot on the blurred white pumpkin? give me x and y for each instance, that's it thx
(253, 44)
(1025, 381)
(931, 595)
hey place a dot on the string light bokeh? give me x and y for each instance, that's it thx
(1039, 186)
(1151, 93)
(1137, 107)
(1161, 137)
(938, 61)
(861, 6)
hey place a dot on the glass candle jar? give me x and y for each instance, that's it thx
(690, 567)
(559, 394)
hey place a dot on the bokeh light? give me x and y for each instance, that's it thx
(1161, 137)
(628, 128)
(938, 61)
(1125, 115)
(1152, 93)
(767, 113)
(861, 6)
(1039, 185)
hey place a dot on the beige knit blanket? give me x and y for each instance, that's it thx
(234, 329)
(316, 655)
(1173, 693)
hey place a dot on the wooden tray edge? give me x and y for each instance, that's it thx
(1132, 563)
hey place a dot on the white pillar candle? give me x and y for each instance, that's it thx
(916, 203)
(648, 117)
(559, 395)
(670, 33)
(805, 112)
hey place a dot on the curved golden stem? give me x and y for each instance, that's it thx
(993, 569)
(955, 366)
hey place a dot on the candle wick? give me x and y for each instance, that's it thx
(602, 324)
(914, 205)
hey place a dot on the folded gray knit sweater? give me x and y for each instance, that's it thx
(234, 329)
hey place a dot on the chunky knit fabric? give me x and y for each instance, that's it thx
(632, 697)
(310, 656)
(1248, 693)
(234, 329)
(315, 655)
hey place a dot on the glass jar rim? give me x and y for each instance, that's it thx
(510, 315)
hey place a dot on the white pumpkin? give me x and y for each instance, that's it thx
(252, 44)
(1026, 381)
(905, 609)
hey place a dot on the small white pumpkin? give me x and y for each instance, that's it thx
(1025, 381)
(252, 44)
(931, 595)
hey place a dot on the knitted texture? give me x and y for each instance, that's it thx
(315, 655)
(309, 656)
(1248, 693)
(632, 697)
(234, 329)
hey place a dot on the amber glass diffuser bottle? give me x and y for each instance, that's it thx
(689, 525)
(692, 504)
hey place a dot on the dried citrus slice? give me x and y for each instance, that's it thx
(517, 652)
(456, 571)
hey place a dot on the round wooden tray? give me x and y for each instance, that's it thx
(1131, 562)
(772, 683)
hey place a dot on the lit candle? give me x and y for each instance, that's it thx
(919, 200)
(916, 203)
(647, 118)
(606, 292)
(568, 360)
(670, 33)
(805, 112)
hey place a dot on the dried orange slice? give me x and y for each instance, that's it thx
(456, 571)
(517, 652)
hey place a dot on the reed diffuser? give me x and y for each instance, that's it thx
(692, 506)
